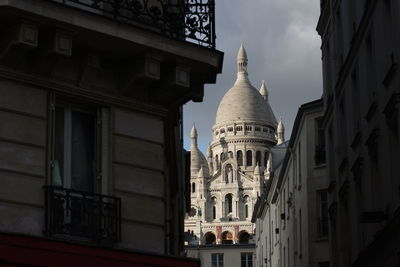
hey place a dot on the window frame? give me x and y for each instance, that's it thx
(59, 102)
(246, 259)
(217, 259)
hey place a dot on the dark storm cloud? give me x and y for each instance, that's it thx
(283, 49)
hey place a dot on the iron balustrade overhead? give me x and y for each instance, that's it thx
(189, 20)
(82, 216)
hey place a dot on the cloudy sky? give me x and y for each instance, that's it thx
(283, 49)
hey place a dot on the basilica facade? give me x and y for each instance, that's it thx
(226, 182)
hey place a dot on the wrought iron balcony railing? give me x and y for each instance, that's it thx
(82, 216)
(189, 20)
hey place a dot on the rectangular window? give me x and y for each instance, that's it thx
(322, 213)
(246, 259)
(299, 160)
(76, 206)
(75, 149)
(217, 260)
(319, 142)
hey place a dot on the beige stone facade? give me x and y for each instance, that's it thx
(291, 215)
(90, 108)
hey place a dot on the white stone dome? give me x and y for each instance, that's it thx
(198, 161)
(243, 102)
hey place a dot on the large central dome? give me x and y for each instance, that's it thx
(243, 102)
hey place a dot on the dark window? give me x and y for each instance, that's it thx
(217, 260)
(209, 238)
(222, 130)
(75, 149)
(214, 210)
(244, 237)
(322, 213)
(257, 129)
(249, 158)
(73, 209)
(320, 142)
(230, 129)
(239, 156)
(246, 210)
(193, 187)
(228, 201)
(258, 158)
(265, 158)
(246, 259)
(239, 128)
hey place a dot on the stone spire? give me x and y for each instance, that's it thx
(241, 62)
(264, 91)
(281, 132)
(193, 136)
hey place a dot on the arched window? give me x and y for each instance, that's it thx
(210, 238)
(258, 158)
(246, 206)
(228, 203)
(230, 153)
(193, 187)
(239, 156)
(227, 238)
(265, 158)
(214, 208)
(244, 237)
(249, 158)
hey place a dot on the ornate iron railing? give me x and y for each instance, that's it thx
(189, 20)
(82, 216)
